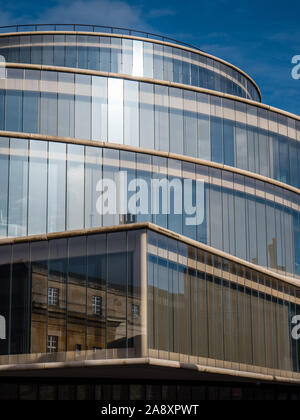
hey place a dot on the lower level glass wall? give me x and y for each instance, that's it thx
(50, 187)
(137, 293)
(207, 310)
(72, 298)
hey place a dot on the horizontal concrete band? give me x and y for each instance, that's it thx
(182, 158)
(136, 38)
(35, 368)
(155, 228)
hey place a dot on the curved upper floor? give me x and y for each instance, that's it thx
(152, 115)
(127, 52)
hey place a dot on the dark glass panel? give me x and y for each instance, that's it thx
(39, 296)
(118, 268)
(96, 294)
(58, 267)
(20, 300)
(5, 273)
(77, 294)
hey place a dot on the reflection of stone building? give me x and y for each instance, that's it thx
(81, 322)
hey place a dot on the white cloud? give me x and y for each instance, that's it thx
(95, 12)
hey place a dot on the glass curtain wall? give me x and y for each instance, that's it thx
(127, 56)
(50, 187)
(81, 298)
(80, 295)
(207, 310)
(152, 116)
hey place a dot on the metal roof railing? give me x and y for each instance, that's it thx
(91, 28)
(68, 27)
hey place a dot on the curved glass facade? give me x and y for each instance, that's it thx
(211, 311)
(152, 116)
(140, 214)
(128, 56)
(88, 297)
(52, 187)
(71, 289)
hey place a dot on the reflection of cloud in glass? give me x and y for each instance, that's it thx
(2, 67)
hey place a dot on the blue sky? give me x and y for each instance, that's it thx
(261, 37)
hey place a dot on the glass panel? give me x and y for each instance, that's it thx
(241, 147)
(75, 187)
(93, 173)
(18, 188)
(37, 202)
(127, 56)
(240, 218)
(66, 105)
(20, 304)
(177, 64)
(39, 296)
(57, 279)
(83, 106)
(186, 67)
(5, 270)
(115, 110)
(143, 163)
(190, 124)
(71, 51)
(168, 63)
(99, 108)
(93, 52)
(216, 239)
(82, 51)
(131, 113)
(77, 294)
(31, 102)
(216, 140)
(204, 147)
(136, 307)
(117, 280)
(105, 53)
(57, 187)
(4, 171)
(158, 62)
(138, 57)
(59, 50)
(261, 227)
(111, 164)
(161, 295)
(97, 278)
(49, 103)
(148, 60)
(176, 121)
(161, 118)
(14, 109)
(116, 55)
(175, 218)
(146, 116)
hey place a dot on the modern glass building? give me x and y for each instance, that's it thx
(143, 304)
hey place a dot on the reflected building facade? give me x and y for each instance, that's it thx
(123, 298)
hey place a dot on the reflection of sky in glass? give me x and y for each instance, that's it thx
(115, 111)
(138, 67)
